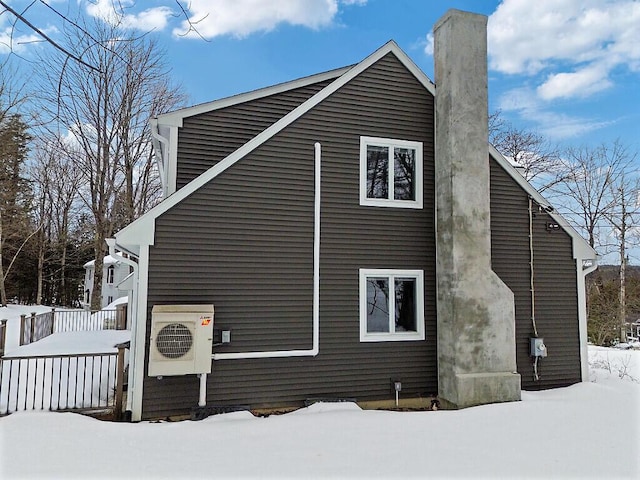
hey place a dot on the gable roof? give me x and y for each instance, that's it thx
(142, 230)
(176, 117)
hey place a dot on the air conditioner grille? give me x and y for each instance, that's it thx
(174, 340)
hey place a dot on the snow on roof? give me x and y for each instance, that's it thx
(108, 260)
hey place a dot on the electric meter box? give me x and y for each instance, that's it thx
(538, 348)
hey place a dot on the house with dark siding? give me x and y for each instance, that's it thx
(345, 251)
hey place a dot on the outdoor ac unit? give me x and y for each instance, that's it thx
(181, 339)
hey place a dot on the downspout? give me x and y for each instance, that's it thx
(316, 284)
(582, 270)
(161, 154)
(531, 267)
(132, 319)
(536, 377)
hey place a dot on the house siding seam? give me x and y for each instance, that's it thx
(207, 138)
(554, 283)
(245, 244)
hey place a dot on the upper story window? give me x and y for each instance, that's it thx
(391, 305)
(110, 273)
(390, 173)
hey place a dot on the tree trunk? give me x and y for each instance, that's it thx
(99, 250)
(3, 292)
(40, 269)
(623, 286)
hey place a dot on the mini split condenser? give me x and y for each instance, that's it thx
(181, 339)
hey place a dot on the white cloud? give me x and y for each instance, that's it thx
(113, 11)
(241, 18)
(552, 125)
(580, 83)
(580, 41)
(428, 46)
(10, 41)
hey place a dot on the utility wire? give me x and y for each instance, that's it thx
(48, 39)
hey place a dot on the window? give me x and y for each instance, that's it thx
(391, 305)
(390, 173)
(110, 272)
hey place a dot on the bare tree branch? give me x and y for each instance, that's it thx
(48, 39)
(192, 23)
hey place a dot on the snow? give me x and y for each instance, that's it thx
(116, 302)
(588, 430)
(12, 313)
(65, 320)
(72, 343)
(62, 382)
(108, 260)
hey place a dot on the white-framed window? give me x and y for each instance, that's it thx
(110, 274)
(390, 173)
(391, 305)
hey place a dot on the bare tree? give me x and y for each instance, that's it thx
(601, 198)
(538, 160)
(105, 113)
(585, 195)
(70, 53)
(623, 218)
(55, 182)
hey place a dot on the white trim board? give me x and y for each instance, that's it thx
(143, 229)
(176, 117)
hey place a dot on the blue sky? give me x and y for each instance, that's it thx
(568, 69)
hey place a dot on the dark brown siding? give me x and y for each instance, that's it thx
(245, 243)
(207, 138)
(556, 304)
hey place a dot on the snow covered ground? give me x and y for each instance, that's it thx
(589, 430)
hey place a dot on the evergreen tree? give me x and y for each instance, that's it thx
(15, 225)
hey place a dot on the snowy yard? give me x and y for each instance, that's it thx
(589, 430)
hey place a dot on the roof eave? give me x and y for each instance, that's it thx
(581, 248)
(176, 117)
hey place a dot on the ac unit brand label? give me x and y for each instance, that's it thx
(205, 320)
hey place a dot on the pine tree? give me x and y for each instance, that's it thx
(15, 228)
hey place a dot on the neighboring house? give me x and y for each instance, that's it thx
(114, 271)
(306, 214)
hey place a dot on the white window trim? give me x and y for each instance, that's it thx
(391, 336)
(391, 143)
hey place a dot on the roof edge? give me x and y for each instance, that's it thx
(141, 231)
(175, 118)
(581, 247)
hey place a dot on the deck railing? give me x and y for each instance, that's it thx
(3, 336)
(82, 382)
(35, 327)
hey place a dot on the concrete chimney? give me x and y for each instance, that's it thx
(476, 313)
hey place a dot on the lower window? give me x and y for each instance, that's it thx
(391, 305)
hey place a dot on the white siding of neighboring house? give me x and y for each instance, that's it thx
(110, 291)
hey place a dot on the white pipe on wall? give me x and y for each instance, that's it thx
(315, 349)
